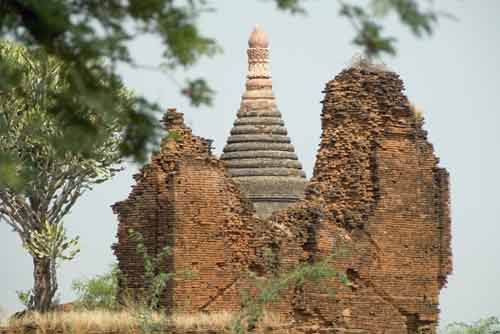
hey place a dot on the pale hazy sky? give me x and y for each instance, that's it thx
(453, 76)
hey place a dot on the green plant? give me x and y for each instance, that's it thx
(269, 289)
(24, 297)
(155, 275)
(99, 292)
(156, 279)
(490, 325)
(52, 242)
(33, 149)
(91, 38)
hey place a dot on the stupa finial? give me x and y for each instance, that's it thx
(258, 60)
(258, 38)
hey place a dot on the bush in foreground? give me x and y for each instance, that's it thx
(99, 292)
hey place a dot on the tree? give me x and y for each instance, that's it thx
(490, 325)
(53, 177)
(91, 38)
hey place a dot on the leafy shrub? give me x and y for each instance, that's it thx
(99, 292)
(155, 275)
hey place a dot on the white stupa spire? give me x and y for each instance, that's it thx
(259, 76)
(259, 154)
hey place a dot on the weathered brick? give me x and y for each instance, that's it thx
(377, 193)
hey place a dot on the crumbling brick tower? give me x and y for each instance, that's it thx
(377, 192)
(184, 199)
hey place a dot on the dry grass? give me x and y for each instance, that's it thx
(83, 322)
(216, 321)
(77, 321)
(219, 320)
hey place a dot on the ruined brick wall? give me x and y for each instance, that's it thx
(185, 200)
(215, 237)
(150, 207)
(378, 194)
(378, 199)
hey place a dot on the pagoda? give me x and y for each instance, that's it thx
(259, 155)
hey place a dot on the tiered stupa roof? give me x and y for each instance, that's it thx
(259, 154)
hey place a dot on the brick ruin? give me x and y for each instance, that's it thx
(184, 199)
(377, 194)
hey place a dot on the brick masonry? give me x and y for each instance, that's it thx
(377, 199)
(184, 199)
(378, 193)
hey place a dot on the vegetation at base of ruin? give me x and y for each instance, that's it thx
(155, 275)
(156, 279)
(126, 321)
(91, 40)
(490, 325)
(99, 292)
(31, 140)
(265, 291)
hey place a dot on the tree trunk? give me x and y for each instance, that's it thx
(45, 283)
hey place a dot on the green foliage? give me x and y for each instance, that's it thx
(47, 160)
(99, 292)
(25, 297)
(291, 5)
(367, 22)
(199, 92)
(490, 325)
(91, 40)
(269, 289)
(51, 241)
(155, 275)
(34, 140)
(156, 279)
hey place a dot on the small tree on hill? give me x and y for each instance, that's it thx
(48, 177)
